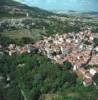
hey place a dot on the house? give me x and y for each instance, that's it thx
(68, 40)
(97, 56)
(81, 71)
(91, 38)
(96, 48)
(87, 82)
(92, 71)
(76, 66)
(86, 75)
(21, 65)
(96, 69)
(11, 46)
(23, 50)
(8, 79)
(12, 52)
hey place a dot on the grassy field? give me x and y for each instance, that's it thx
(17, 34)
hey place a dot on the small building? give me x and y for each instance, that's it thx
(96, 48)
(87, 82)
(97, 56)
(11, 46)
(91, 38)
(11, 52)
(96, 69)
(85, 74)
(80, 72)
(92, 71)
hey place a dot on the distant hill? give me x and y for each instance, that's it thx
(73, 12)
(92, 13)
(19, 20)
(10, 8)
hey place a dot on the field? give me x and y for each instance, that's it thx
(35, 34)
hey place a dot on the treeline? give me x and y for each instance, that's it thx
(5, 41)
(33, 77)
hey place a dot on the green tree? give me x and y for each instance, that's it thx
(95, 78)
(67, 65)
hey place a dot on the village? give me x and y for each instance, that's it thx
(76, 48)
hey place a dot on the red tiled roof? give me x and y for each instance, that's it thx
(88, 81)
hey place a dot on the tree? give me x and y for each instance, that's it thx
(5, 40)
(95, 78)
(96, 41)
(70, 78)
(67, 65)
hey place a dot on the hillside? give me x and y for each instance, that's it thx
(19, 20)
(47, 56)
(14, 9)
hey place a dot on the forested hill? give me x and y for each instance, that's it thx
(13, 8)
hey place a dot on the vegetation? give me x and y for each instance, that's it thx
(96, 41)
(95, 78)
(5, 41)
(34, 77)
(45, 23)
(38, 77)
(67, 65)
